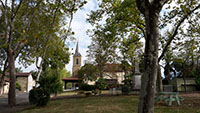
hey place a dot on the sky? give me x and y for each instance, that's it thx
(79, 26)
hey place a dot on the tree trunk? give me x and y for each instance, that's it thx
(39, 74)
(148, 87)
(159, 80)
(11, 94)
(40, 68)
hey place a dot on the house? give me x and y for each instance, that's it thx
(25, 81)
(114, 72)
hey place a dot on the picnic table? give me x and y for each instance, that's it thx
(169, 97)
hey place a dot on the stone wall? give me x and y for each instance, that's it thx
(23, 82)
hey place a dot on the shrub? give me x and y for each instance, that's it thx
(126, 89)
(50, 83)
(87, 87)
(196, 73)
(39, 97)
(18, 86)
(197, 80)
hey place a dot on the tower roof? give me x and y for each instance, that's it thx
(77, 51)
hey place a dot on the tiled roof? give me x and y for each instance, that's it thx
(113, 68)
(7, 79)
(70, 78)
(22, 74)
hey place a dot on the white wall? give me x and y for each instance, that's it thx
(31, 83)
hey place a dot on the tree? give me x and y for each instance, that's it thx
(53, 32)
(51, 81)
(130, 49)
(151, 11)
(88, 73)
(185, 61)
(102, 49)
(119, 22)
(20, 30)
(151, 50)
(9, 14)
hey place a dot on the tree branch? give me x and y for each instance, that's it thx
(158, 4)
(142, 29)
(70, 21)
(54, 17)
(140, 5)
(3, 4)
(15, 13)
(176, 31)
(161, 2)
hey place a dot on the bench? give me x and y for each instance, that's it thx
(169, 97)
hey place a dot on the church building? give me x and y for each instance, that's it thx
(76, 62)
(76, 67)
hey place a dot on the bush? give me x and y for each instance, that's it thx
(50, 83)
(196, 73)
(39, 97)
(86, 87)
(18, 86)
(197, 80)
(126, 89)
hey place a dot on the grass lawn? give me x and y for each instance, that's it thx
(111, 104)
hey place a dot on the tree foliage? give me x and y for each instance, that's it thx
(88, 73)
(30, 29)
(116, 34)
(102, 49)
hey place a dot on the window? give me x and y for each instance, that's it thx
(76, 61)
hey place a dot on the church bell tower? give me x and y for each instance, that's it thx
(76, 61)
